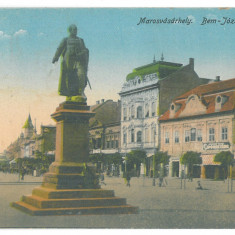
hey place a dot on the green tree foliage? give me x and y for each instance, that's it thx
(191, 158)
(136, 157)
(225, 158)
(161, 157)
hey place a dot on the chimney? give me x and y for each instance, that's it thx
(217, 78)
(97, 102)
(102, 101)
(191, 62)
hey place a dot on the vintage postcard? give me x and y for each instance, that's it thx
(117, 118)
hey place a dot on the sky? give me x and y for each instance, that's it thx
(29, 38)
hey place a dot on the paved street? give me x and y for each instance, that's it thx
(165, 207)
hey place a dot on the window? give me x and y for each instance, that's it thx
(132, 136)
(177, 137)
(187, 136)
(116, 141)
(139, 112)
(224, 133)
(193, 134)
(153, 109)
(112, 144)
(211, 134)
(199, 135)
(108, 144)
(153, 134)
(139, 137)
(132, 111)
(124, 138)
(146, 135)
(146, 110)
(124, 114)
(167, 138)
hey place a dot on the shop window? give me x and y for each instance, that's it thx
(224, 133)
(211, 134)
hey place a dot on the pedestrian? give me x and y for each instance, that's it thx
(23, 171)
(199, 186)
(102, 179)
(128, 178)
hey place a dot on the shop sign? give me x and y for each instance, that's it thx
(216, 146)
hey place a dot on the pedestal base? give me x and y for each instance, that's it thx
(45, 201)
(71, 187)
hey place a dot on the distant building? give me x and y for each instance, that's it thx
(200, 120)
(29, 141)
(146, 94)
(104, 127)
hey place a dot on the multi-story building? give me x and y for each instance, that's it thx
(146, 94)
(29, 141)
(201, 120)
(104, 127)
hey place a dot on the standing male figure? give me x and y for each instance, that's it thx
(74, 66)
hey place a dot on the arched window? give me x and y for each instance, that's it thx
(146, 135)
(124, 114)
(139, 137)
(132, 136)
(153, 109)
(132, 111)
(146, 110)
(139, 112)
(124, 138)
(153, 134)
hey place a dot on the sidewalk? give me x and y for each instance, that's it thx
(14, 178)
(159, 207)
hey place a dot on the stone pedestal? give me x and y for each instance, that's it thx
(71, 186)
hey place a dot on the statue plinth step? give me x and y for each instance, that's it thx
(71, 203)
(49, 193)
(27, 208)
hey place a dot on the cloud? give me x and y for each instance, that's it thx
(41, 34)
(4, 35)
(192, 18)
(20, 32)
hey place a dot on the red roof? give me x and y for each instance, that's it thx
(207, 94)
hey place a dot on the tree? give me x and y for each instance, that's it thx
(158, 159)
(135, 157)
(225, 159)
(189, 159)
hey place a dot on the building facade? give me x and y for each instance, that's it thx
(29, 142)
(146, 94)
(201, 120)
(104, 127)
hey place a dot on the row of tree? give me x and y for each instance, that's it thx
(131, 162)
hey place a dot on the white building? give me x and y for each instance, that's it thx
(146, 94)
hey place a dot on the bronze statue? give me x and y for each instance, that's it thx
(74, 66)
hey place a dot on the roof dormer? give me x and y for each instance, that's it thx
(174, 107)
(220, 100)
